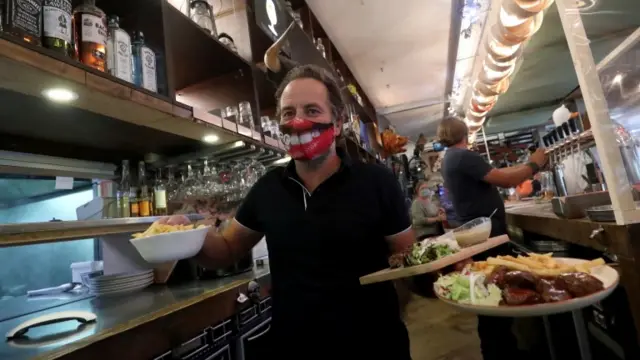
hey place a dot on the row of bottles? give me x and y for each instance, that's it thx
(141, 198)
(82, 33)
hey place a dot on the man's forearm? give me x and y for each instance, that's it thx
(216, 253)
(517, 174)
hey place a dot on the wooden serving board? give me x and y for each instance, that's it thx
(403, 272)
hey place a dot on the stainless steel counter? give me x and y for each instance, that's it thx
(114, 315)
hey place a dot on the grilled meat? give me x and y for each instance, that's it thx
(521, 280)
(550, 292)
(579, 284)
(515, 296)
(497, 276)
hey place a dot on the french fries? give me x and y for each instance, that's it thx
(156, 229)
(539, 264)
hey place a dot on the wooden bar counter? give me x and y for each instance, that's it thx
(623, 241)
(141, 325)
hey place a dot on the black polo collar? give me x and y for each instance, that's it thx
(345, 164)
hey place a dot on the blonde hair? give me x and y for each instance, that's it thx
(452, 131)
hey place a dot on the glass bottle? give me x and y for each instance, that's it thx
(133, 201)
(57, 30)
(245, 118)
(119, 57)
(202, 14)
(321, 48)
(144, 64)
(90, 34)
(23, 19)
(144, 199)
(160, 195)
(172, 185)
(122, 196)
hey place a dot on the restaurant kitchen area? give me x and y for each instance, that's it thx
(168, 107)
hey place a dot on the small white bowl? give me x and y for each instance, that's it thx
(171, 246)
(473, 232)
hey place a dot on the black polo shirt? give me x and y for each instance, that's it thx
(320, 243)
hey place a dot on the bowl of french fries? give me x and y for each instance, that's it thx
(161, 242)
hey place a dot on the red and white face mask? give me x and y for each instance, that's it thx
(305, 139)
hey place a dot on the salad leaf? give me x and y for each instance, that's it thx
(468, 288)
(422, 254)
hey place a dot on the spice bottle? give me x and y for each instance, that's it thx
(57, 26)
(144, 199)
(90, 38)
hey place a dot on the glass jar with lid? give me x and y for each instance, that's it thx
(202, 14)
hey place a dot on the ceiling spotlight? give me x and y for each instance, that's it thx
(60, 95)
(210, 139)
(617, 79)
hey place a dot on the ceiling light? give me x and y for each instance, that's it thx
(238, 144)
(210, 139)
(60, 95)
(617, 79)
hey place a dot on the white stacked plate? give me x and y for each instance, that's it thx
(117, 284)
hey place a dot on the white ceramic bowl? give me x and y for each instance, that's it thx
(473, 232)
(171, 246)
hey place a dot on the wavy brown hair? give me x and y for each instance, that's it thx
(336, 97)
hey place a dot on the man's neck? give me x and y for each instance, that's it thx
(312, 175)
(460, 145)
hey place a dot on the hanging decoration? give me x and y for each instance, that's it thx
(518, 21)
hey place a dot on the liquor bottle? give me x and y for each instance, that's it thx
(119, 56)
(144, 64)
(133, 201)
(123, 203)
(160, 195)
(90, 34)
(23, 19)
(321, 48)
(144, 199)
(57, 26)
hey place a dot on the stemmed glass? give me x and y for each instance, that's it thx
(171, 185)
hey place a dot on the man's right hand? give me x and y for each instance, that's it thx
(539, 157)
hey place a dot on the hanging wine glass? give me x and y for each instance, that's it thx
(171, 185)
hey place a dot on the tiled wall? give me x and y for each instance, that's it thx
(31, 267)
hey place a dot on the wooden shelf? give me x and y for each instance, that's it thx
(193, 55)
(56, 231)
(111, 119)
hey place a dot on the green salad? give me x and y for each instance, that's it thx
(468, 288)
(422, 254)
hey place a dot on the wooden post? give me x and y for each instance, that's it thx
(620, 190)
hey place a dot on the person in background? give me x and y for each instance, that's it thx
(426, 217)
(452, 221)
(327, 222)
(472, 184)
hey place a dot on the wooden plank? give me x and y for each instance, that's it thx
(24, 55)
(465, 253)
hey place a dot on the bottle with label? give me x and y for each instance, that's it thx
(90, 34)
(144, 64)
(160, 195)
(23, 19)
(133, 201)
(57, 26)
(122, 196)
(144, 197)
(119, 57)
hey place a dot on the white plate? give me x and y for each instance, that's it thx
(119, 286)
(120, 290)
(120, 281)
(119, 277)
(608, 275)
(171, 246)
